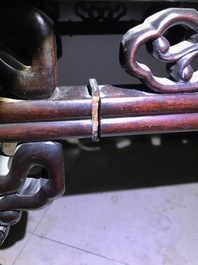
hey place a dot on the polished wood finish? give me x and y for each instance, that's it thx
(28, 55)
(65, 103)
(177, 58)
(149, 124)
(68, 113)
(122, 102)
(38, 131)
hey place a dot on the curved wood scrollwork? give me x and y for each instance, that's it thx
(19, 191)
(28, 70)
(178, 57)
(32, 33)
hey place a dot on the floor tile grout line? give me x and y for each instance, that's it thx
(34, 233)
(80, 249)
(31, 234)
(47, 209)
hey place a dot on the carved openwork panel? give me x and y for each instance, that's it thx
(100, 10)
(22, 190)
(177, 57)
(54, 113)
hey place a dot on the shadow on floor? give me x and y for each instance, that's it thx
(138, 165)
(124, 163)
(17, 232)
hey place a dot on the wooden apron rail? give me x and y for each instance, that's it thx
(69, 113)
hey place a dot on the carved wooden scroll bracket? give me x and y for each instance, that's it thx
(22, 189)
(83, 111)
(27, 31)
(28, 70)
(178, 57)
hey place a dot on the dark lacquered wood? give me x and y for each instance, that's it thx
(30, 73)
(149, 124)
(38, 131)
(58, 113)
(70, 103)
(66, 103)
(117, 102)
(68, 113)
(19, 191)
(177, 58)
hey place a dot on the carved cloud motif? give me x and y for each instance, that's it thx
(182, 77)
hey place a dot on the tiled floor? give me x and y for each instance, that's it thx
(127, 202)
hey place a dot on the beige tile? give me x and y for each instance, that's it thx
(19, 235)
(40, 251)
(146, 226)
(8, 253)
(34, 217)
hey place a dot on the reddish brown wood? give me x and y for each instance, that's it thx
(20, 190)
(149, 124)
(117, 102)
(71, 103)
(38, 131)
(34, 76)
(68, 113)
(65, 103)
(178, 57)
